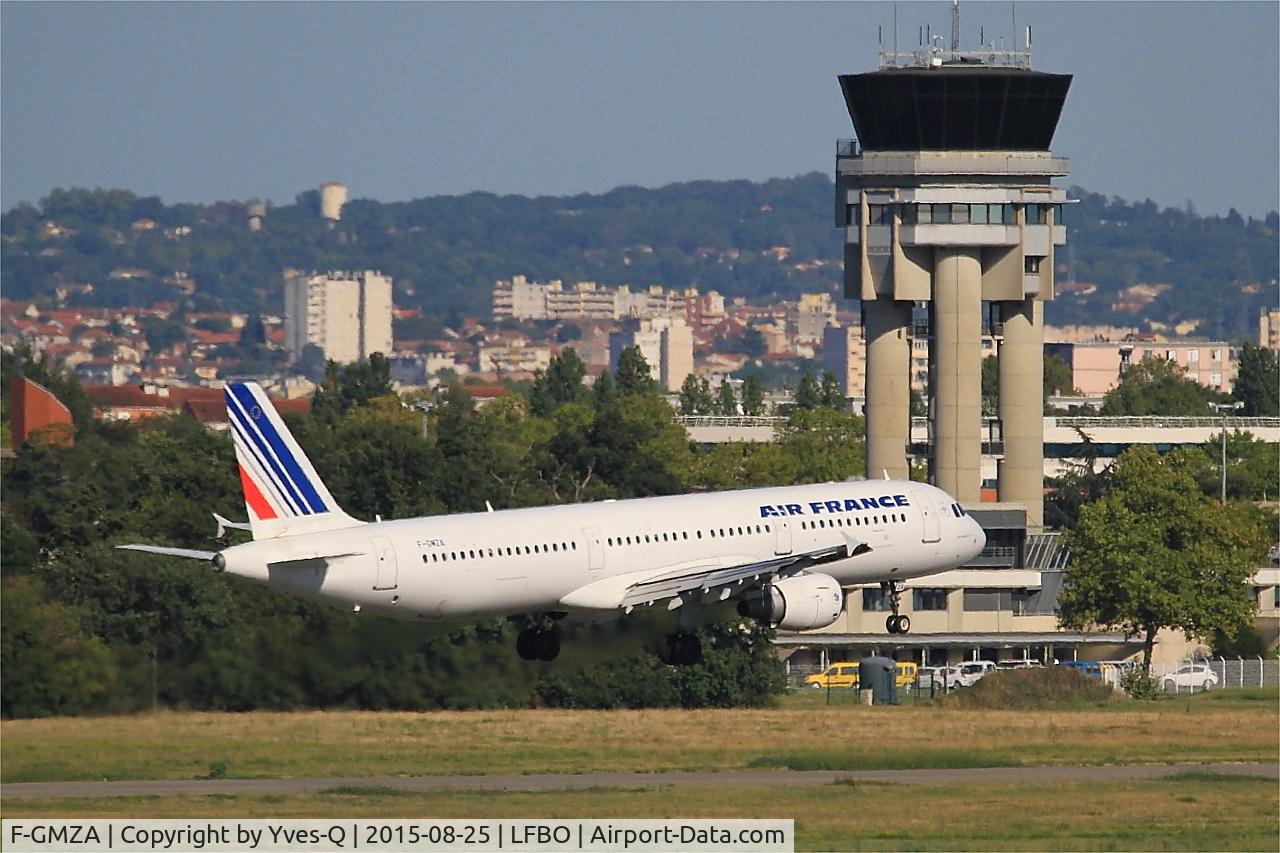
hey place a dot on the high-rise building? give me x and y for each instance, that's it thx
(1269, 329)
(347, 315)
(677, 356)
(844, 356)
(946, 197)
(667, 347)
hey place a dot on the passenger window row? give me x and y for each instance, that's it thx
(855, 521)
(683, 535)
(494, 553)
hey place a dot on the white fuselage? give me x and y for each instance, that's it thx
(527, 560)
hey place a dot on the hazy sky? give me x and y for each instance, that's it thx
(206, 101)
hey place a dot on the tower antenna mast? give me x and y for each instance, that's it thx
(955, 28)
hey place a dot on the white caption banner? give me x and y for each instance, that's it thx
(535, 836)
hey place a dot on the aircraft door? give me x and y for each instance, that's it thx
(388, 573)
(595, 549)
(782, 534)
(929, 514)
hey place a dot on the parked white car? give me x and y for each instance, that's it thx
(1192, 675)
(969, 673)
(932, 676)
(1018, 663)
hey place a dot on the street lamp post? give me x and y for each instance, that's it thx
(1223, 409)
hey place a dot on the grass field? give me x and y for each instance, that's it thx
(802, 733)
(1194, 811)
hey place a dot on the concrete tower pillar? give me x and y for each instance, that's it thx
(956, 372)
(888, 407)
(1021, 477)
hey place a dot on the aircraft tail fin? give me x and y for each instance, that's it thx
(282, 492)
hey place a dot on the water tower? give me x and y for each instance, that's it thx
(947, 204)
(333, 196)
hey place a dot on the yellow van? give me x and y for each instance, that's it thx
(837, 676)
(845, 675)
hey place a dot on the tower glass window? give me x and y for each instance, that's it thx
(1032, 264)
(879, 214)
(979, 214)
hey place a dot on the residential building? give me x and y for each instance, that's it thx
(521, 299)
(34, 409)
(347, 315)
(844, 356)
(814, 313)
(1269, 329)
(1096, 366)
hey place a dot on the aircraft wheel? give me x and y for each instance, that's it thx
(548, 646)
(690, 650)
(904, 624)
(527, 644)
(891, 624)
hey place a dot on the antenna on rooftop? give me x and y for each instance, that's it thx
(955, 28)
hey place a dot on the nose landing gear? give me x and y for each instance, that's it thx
(897, 623)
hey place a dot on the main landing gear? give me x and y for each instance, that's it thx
(538, 644)
(540, 640)
(897, 623)
(681, 649)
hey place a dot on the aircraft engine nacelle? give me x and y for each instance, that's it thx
(797, 603)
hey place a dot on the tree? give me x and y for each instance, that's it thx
(1251, 467)
(727, 403)
(751, 343)
(990, 385)
(831, 395)
(1154, 552)
(807, 395)
(345, 386)
(1155, 386)
(1258, 382)
(1057, 377)
(752, 396)
(633, 373)
(560, 383)
(695, 396)
(604, 392)
(824, 445)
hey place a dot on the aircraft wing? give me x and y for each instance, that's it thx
(708, 578)
(171, 552)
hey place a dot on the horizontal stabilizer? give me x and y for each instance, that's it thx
(225, 524)
(189, 553)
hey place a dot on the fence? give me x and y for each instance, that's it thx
(1227, 674)
(1191, 677)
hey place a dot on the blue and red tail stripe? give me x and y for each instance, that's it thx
(273, 459)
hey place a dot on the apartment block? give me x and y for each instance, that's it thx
(1096, 366)
(346, 314)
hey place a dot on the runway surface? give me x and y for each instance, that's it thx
(566, 781)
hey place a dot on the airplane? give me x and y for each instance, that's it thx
(783, 554)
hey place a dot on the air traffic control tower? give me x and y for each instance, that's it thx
(946, 201)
